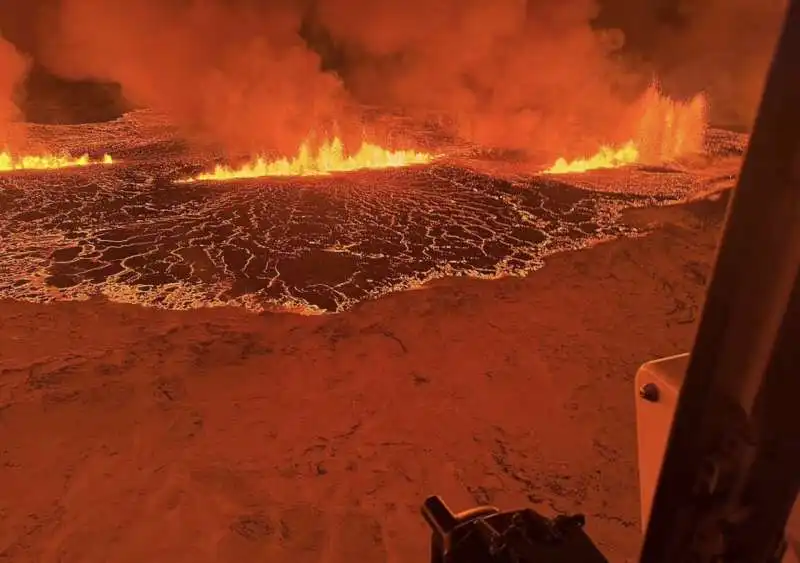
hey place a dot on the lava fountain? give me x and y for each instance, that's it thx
(667, 130)
(10, 162)
(329, 158)
(606, 157)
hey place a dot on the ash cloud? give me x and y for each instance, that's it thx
(13, 69)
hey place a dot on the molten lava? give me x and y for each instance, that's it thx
(606, 157)
(10, 162)
(329, 158)
(666, 131)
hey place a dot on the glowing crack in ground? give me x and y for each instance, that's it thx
(133, 234)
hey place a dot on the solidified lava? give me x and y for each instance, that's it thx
(135, 234)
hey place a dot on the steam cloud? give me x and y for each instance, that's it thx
(13, 68)
(527, 74)
(510, 73)
(235, 72)
(507, 73)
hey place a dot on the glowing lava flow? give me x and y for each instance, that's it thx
(606, 157)
(329, 158)
(667, 130)
(9, 162)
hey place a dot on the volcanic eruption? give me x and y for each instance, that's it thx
(329, 157)
(13, 68)
(137, 434)
(431, 99)
(9, 162)
(667, 130)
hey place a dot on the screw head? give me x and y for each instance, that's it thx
(649, 392)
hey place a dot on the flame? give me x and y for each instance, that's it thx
(329, 158)
(606, 157)
(10, 162)
(666, 131)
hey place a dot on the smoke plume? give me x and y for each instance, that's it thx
(509, 73)
(723, 47)
(506, 73)
(13, 67)
(522, 74)
(236, 73)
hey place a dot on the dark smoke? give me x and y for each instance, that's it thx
(723, 47)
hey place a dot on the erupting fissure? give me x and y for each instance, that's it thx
(606, 157)
(667, 130)
(330, 157)
(10, 162)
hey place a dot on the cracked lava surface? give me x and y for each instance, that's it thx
(130, 232)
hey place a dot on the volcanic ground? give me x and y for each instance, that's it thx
(131, 233)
